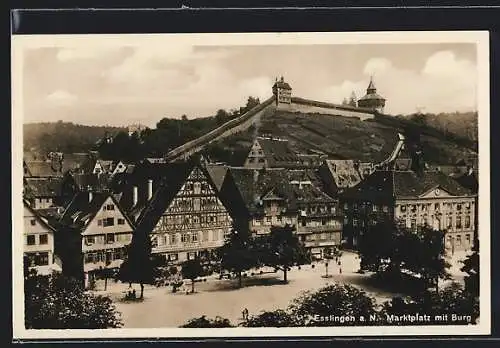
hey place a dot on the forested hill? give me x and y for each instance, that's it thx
(65, 137)
(448, 136)
(462, 124)
(68, 137)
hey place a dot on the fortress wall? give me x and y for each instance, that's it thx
(295, 107)
(227, 131)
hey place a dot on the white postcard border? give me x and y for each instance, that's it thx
(480, 38)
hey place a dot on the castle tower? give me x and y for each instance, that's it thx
(371, 99)
(282, 93)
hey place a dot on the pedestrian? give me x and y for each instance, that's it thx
(340, 270)
(245, 314)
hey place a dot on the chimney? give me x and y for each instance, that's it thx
(135, 196)
(150, 189)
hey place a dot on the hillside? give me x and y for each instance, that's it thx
(343, 138)
(63, 136)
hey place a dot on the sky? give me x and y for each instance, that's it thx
(122, 85)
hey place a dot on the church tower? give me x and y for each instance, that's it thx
(282, 93)
(371, 99)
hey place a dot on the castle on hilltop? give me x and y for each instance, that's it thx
(364, 108)
(372, 100)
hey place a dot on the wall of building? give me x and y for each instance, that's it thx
(195, 220)
(106, 237)
(455, 215)
(38, 243)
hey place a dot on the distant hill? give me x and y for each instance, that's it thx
(348, 138)
(463, 124)
(63, 136)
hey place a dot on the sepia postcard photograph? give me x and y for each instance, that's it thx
(250, 185)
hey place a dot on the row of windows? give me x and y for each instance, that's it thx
(173, 239)
(38, 259)
(183, 219)
(320, 236)
(268, 220)
(175, 256)
(256, 153)
(108, 238)
(105, 256)
(108, 207)
(110, 221)
(256, 160)
(197, 187)
(374, 207)
(457, 241)
(43, 239)
(437, 206)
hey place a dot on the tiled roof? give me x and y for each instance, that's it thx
(81, 210)
(469, 181)
(73, 161)
(33, 156)
(217, 173)
(277, 151)
(371, 96)
(384, 185)
(345, 173)
(43, 187)
(41, 169)
(253, 185)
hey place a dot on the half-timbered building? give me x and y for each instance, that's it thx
(185, 217)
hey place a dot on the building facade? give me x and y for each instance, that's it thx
(279, 197)
(104, 227)
(39, 243)
(431, 198)
(186, 217)
(283, 93)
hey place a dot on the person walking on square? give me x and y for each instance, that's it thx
(245, 314)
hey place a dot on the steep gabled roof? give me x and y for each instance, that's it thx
(217, 173)
(81, 211)
(344, 173)
(38, 216)
(174, 176)
(253, 185)
(277, 151)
